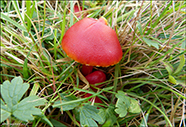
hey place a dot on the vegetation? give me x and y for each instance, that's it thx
(146, 88)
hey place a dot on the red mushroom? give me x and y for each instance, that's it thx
(85, 70)
(92, 42)
(96, 77)
(78, 9)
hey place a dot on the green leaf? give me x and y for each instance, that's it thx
(168, 67)
(4, 115)
(65, 99)
(88, 115)
(2, 105)
(177, 80)
(134, 106)
(13, 92)
(172, 79)
(181, 65)
(102, 113)
(110, 117)
(122, 104)
(151, 42)
(57, 123)
(26, 108)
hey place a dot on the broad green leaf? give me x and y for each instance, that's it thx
(151, 42)
(2, 105)
(88, 115)
(134, 106)
(26, 108)
(4, 115)
(29, 102)
(13, 91)
(110, 117)
(26, 114)
(102, 113)
(122, 104)
(181, 65)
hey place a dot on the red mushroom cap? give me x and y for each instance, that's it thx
(92, 42)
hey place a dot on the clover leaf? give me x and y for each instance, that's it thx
(88, 115)
(126, 104)
(12, 92)
(151, 42)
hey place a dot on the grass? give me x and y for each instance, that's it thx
(152, 70)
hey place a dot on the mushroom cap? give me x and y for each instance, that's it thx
(92, 42)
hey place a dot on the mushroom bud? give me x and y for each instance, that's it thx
(92, 42)
(96, 77)
(79, 9)
(86, 70)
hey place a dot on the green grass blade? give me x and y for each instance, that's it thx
(181, 65)
(62, 24)
(6, 18)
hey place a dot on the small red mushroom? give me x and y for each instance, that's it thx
(92, 42)
(79, 9)
(85, 70)
(96, 77)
